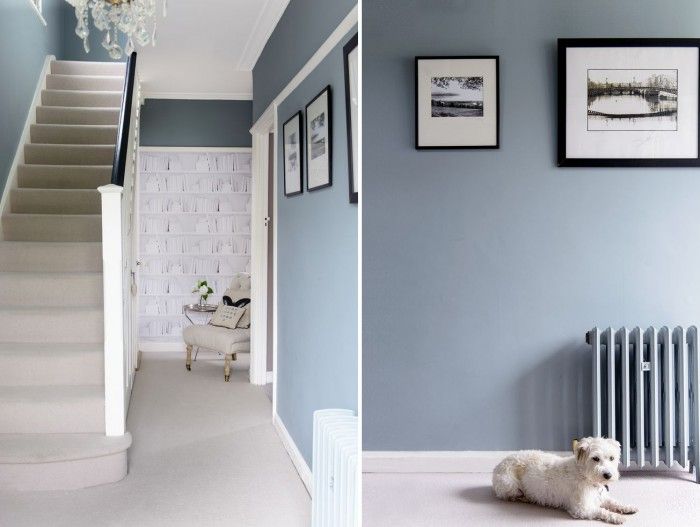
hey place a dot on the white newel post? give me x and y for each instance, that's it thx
(115, 412)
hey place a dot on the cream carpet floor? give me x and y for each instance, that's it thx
(459, 500)
(204, 454)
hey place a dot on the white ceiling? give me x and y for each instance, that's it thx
(206, 49)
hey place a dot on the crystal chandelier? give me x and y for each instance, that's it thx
(135, 19)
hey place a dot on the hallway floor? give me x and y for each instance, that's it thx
(456, 500)
(204, 453)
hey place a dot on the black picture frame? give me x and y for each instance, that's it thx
(300, 116)
(347, 49)
(329, 135)
(565, 43)
(496, 144)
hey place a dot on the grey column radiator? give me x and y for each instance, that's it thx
(645, 394)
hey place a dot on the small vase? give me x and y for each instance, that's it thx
(202, 301)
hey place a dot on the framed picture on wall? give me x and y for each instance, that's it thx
(352, 102)
(629, 102)
(457, 102)
(293, 152)
(319, 141)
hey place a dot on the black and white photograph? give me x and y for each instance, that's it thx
(293, 156)
(318, 141)
(318, 136)
(629, 102)
(457, 96)
(456, 102)
(625, 99)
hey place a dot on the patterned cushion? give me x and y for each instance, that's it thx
(227, 316)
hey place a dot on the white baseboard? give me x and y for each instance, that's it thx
(438, 462)
(297, 459)
(444, 462)
(25, 137)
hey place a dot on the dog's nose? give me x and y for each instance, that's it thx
(607, 475)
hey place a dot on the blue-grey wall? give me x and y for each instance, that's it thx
(175, 122)
(483, 269)
(304, 26)
(25, 42)
(317, 275)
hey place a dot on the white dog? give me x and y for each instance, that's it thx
(577, 484)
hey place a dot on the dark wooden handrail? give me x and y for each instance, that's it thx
(122, 148)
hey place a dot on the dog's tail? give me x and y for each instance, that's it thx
(506, 479)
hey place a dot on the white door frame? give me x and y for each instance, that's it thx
(260, 131)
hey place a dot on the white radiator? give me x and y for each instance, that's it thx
(335, 469)
(645, 394)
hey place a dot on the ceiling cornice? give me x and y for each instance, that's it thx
(264, 26)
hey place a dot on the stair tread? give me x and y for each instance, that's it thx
(28, 214)
(81, 108)
(58, 190)
(50, 393)
(84, 92)
(51, 347)
(50, 274)
(86, 76)
(15, 244)
(75, 126)
(45, 448)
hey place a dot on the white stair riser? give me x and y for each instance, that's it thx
(68, 67)
(69, 154)
(52, 415)
(79, 99)
(50, 257)
(64, 475)
(73, 134)
(52, 228)
(64, 368)
(51, 325)
(46, 201)
(65, 177)
(58, 115)
(50, 289)
(84, 82)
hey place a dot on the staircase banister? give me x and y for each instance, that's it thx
(123, 131)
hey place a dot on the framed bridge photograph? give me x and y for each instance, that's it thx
(456, 102)
(629, 102)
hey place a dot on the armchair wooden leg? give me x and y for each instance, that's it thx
(227, 367)
(188, 362)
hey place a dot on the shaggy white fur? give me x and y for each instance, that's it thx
(577, 484)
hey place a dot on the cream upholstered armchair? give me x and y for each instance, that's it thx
(228, 342)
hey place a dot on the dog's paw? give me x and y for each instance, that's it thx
(614, 519)
(628, 509)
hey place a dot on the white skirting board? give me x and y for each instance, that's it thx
(297, 459)
(435, 462)
(456, 462)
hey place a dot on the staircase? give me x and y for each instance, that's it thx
(52, 397)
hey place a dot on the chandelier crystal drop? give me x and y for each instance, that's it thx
(135, 19)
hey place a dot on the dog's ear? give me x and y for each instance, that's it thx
(580, 449)
(574, 446)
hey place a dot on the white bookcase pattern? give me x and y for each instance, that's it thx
(194, 223)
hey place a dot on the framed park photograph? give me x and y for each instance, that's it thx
(352, 102)
(629, 102)
(457, 102)
(318, 141)
(293, 153)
